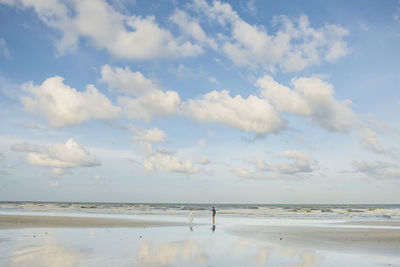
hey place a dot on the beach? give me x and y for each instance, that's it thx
(55, 239)
(42, 221)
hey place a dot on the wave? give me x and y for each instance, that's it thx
(309, 211)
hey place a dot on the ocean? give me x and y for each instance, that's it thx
(286, 211)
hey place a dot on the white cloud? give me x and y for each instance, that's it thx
(363, 26)
(251, 6)
(244, 173)
(192, 28)
(260, 164)
(9, 166)
(369, 140)
(303, 163)
(63, 105)
(377, 169)
(61, 172)
(149, 135)
(203, 161)
(148, 102)
(201, 143)
(310, 97)
(25, 147)
(126, 81)
(58, 156)
(213, 80)
(293, 47)
(288, 170)
(152, 104)
(396, 14)
(124, 36)
(146, 137)
(4, 48)
(248, 114)
(380, 126)
(168, 163)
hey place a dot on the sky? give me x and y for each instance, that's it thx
(200, 101)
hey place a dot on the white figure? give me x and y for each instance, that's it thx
(191, 216)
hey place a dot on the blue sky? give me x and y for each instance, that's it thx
(200, 101)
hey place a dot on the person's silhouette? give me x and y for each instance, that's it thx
(213, 214)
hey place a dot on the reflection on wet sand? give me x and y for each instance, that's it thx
(262, 256)
(47, 254)
(170, 253)
(270, 255)
(308, 259)
(172, 246)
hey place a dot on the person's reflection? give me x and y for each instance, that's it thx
(191, 228)
(213, 228)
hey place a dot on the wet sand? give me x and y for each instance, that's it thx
(344, 239)
(39, 221)
(44, 240)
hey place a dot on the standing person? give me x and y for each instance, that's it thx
(213, 214)
(191, 216)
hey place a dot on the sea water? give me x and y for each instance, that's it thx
(263, 211)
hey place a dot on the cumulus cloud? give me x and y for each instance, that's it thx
(148, 101)
(149, 135)
(312, 98)
(293, 47)
(126, 81)
(168, 163)
(192, 28)
(300, 165)
(63, 105)
(146, 137)
(309, 97)
(58, 156)
(377, 169)
(124, 36)
(153, 104)
(248, 114)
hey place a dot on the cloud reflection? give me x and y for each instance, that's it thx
(48, 254)
(170, 253)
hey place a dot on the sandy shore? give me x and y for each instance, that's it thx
(30, 221)
(376, 240)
